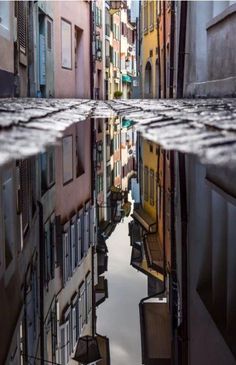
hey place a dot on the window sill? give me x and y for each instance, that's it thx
(222, 16)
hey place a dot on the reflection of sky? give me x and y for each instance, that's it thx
(118, 316)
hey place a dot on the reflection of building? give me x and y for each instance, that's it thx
(48, 239)
(150, 241)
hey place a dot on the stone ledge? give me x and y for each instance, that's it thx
(219, 18)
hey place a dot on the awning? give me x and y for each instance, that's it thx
(148, 223)
(127, 78)
(154, 252)
(155, 323)
(127, 123)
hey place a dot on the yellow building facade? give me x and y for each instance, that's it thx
(150, 77)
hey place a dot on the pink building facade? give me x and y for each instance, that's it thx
(72, 49)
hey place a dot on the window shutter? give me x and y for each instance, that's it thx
(86, 231)
(73, 250)
(79, 239)
(21, 25)
(42, 60)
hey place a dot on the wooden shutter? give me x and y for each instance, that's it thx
(22, 25)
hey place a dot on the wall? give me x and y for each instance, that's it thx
(210, 63)
(73, 82)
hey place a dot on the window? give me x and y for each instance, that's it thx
(49, 244)
(151, 14)
(88, 282)
(66, 257)
(67, 159)
(98, 17)
(54, 330)
(79, 239)
(5, 18)
(80, 148)
(86, 231)
(65, 342)
(83, 304)
(151, 187)
(73, 247)
(47, 160)
(145, 16)
(66, 46)
(21, 25)
(146, 183)
(99, 183)
(74, 327)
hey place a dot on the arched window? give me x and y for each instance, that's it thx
(148, 80)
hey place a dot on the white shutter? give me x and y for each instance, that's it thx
(79, 240)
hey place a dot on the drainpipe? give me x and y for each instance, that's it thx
(41, 281)
(182, 43)
(184, 269)
(172, 49)
(164, 48)
(92, 30)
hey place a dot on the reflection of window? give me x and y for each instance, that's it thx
(146, 183)
(21, 25)
(4, 17)
(80, 149)
(66, 47)
(145, 12)
(151, 187)
(47, 170)
(67, 159)
(151, 14)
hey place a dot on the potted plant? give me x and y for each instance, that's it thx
(118, 94)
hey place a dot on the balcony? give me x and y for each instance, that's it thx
(154, 252)
(138, 257)
(101, 290)
(144, 219)
(155, 323)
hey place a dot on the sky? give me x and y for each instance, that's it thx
(118, 316)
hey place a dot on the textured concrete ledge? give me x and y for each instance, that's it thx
(204, 127)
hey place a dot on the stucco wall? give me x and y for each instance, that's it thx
(74, 82)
